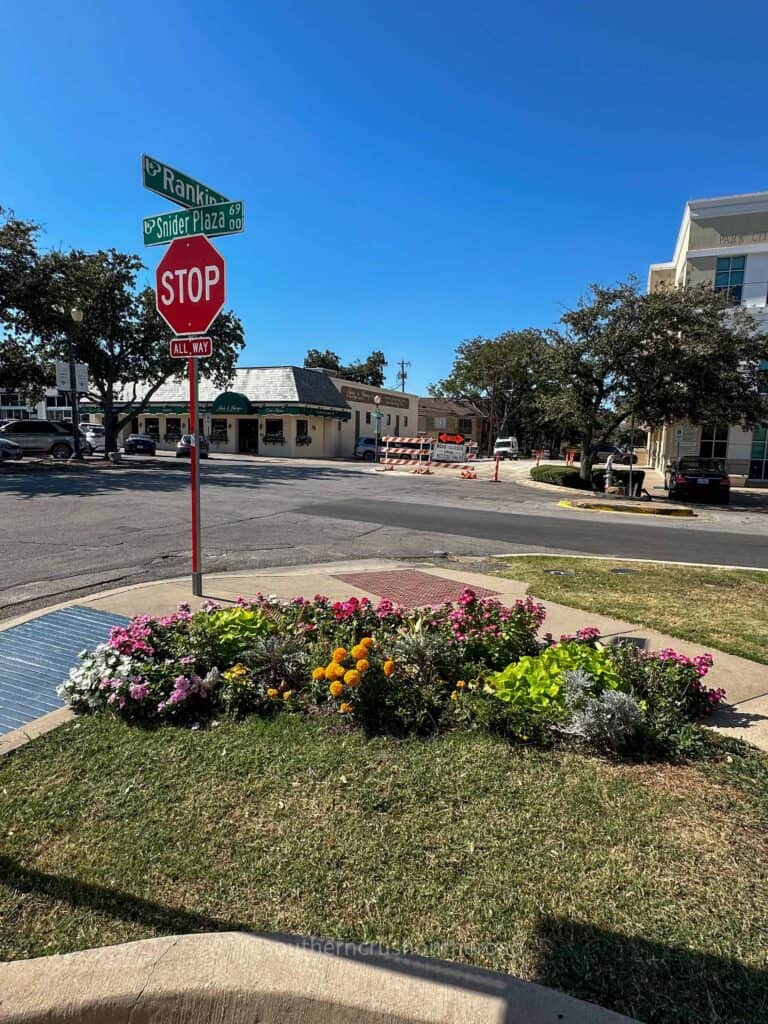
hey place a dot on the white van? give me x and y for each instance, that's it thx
(505, 448)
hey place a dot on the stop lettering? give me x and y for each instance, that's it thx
(190, 289)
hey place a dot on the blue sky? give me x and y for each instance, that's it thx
(413, 173)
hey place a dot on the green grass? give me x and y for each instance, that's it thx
(640, 887)
(722, 608)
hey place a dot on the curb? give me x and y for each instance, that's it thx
(641, 561)
(588, 506)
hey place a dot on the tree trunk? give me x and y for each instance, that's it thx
(110, 428)
(587, 460)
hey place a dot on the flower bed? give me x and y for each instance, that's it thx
(471, 664)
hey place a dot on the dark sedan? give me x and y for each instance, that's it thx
(696, 477)
(140, 444)
(186, 444)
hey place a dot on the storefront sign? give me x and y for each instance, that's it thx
(231, 402)
(353, 394)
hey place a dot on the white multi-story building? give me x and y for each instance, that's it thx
(54, 406)
(723, 243)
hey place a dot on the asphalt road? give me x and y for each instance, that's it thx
(68, 531)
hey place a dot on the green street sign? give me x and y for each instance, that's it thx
(176, 186)
(216, 219)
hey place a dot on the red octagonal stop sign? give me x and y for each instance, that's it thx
(189, 281)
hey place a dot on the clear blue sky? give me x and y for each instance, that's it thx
(413, 173)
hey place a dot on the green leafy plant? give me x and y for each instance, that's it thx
(229, 632)
(538, 682)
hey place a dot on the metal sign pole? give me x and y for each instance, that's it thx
(194, 479)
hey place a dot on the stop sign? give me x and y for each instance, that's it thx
(189, 281)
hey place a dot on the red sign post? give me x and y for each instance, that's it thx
(189, 295)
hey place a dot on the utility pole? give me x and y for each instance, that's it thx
(402, 373)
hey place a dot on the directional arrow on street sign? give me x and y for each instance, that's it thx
(175, 185)
(217, 219)
(191, 348)
(190, 285)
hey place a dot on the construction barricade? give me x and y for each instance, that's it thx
(408, 451)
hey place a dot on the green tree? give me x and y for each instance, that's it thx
(122, 338)
(503, 377)
(669, 355)
(21, 365)
(367, 371)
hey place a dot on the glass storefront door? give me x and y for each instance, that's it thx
(758, 465)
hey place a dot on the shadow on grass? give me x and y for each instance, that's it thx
(646, 980)
(652, 981)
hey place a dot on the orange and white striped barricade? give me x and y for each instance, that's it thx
(407, 451)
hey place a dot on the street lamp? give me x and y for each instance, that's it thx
(377, 417)
(77, 318)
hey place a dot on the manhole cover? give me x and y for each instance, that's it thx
(559, 572)
(624, 572)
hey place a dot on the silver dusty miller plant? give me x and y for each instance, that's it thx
(607, 721)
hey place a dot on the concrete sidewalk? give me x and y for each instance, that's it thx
(745, 682)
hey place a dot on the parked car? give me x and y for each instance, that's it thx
(187, 442)
(621, 456)
(9, 449)
(366, 448)
(697, 477)
(506, 448)
(43, 437)
(140, 444)
(95, 435)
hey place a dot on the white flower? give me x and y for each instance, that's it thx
(82, 688)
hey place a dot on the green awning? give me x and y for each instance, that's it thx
(231, 403)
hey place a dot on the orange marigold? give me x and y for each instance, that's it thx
(318, 673)
(339, 654)
(336, 689)
(367, 642)
(389, 667)
(352, 678)
(363, 665)
(358, 652)
(346, 708)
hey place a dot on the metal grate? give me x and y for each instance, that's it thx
(36, 657)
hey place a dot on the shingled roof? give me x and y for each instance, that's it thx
(268, 384)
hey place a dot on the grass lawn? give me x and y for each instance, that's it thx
(723, 608)
(641, 887)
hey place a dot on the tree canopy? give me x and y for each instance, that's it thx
(367, 371)
(502, 377)
(673, 354)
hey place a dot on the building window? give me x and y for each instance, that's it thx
(302, 433)
(219, 431)
(439, 422)
(758, 465)
(152, 427)
(172, 428)
(465, 426)
(389, 419)
(405, 421)
(367, 418)
(714, 442)
(273, 432)
(729, 276)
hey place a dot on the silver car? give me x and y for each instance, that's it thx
(9, 449)
(42, 437)
(95, 435)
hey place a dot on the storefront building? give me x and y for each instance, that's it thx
(722, 243)
(285, 411)
(438, 415)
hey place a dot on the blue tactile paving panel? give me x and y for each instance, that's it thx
(36, 657)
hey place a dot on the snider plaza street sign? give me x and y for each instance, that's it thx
(189, 285)
(216, 219)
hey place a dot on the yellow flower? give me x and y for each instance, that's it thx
(318, 673)
(358, 652)
(346, 708)
(339, 654)
(334, 671)
(389, 667)
(336, 689)
(460, 685)
(288, 694)
(272, 693)
(363, 665)
(454, 695)
(367, 642)
(236, 673)
(352, 678)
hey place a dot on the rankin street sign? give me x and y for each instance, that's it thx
(175, 185)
